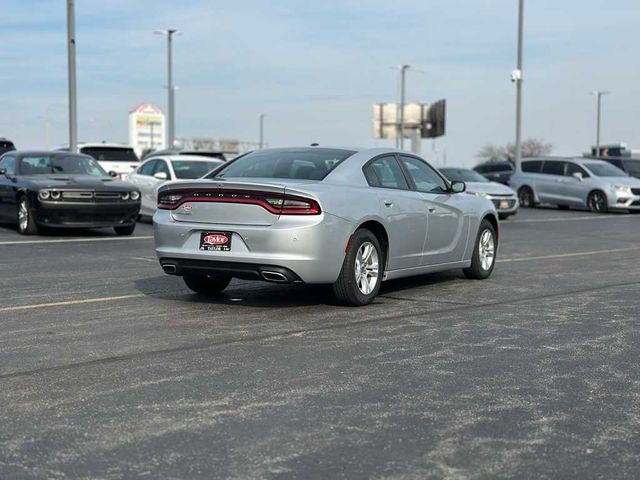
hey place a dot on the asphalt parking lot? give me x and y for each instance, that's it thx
(111, 369)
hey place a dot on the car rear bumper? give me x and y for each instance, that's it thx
(86, 216)
(308, 249)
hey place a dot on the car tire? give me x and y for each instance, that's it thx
(526, 197)
(25, 220)
(128, 230)
(362, 270)
(504, 216)
(206, 284)
(597, 202)
(484, 252)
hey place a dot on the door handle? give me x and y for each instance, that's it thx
(432, 209)
(388, 203)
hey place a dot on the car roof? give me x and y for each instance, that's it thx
(25, 153)
(181, 158)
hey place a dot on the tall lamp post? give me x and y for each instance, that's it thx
(400, 132)
(171, 126)
(517, 78)
(71, 55)
(598, 94)
(261, 129)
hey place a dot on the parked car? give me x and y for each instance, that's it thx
(156, 170)
(496, 171)
(61, 189)
(504, 198)
(351, 218)
(113, 157)
(631, 166)
(181, 151)
(6, 145)
(576, 182)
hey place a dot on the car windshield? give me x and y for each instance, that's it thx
(633, 167)
(111, 154)
(67, 164)
(299, 164)
(604, 169)
(462, 175)
(188, 169)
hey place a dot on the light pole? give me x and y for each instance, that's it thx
(516, 77)
(598, 94)
(171, 126)
(71, 56)
(400, 128)
(261, 129)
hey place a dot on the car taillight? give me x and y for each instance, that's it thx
(273, 203)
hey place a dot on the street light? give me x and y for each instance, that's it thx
(261, 129)
(598, 94)
(516, 77)
(71, 56)
(171, 126)
(403, 76)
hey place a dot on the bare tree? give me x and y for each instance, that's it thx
(532, 147)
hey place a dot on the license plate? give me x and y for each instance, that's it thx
(504, 204)
(215, 241)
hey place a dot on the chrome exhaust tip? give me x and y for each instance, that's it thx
(169, 268)
(277, 277)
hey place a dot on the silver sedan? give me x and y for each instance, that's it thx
(347, 217)
(156, 170)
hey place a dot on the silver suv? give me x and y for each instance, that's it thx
(576, 182)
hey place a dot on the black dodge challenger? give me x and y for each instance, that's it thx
(62, 189)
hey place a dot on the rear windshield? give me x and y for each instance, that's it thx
(111, 154)
(462, 175)
(66, 164)
(299, 164)
(604, 169)
(189, 169)
(204, 153)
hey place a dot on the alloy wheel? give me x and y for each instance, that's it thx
(23, 215)
(486, 249)
(367, 268)
(597, 202)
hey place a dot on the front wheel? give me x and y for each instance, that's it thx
(26, 221)
(206, 284)
(361, 275)
(597, 202)
(128, 230)
(526, 197)
(484, 252)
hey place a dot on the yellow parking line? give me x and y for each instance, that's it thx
(71, 240)
(565, 255)
(70, 302)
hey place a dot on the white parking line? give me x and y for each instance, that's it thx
(72, 240)
(70, 302)
(566, 255)
(567, 219)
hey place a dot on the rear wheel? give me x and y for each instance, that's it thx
(597, 202)
(484, 253)
(26, 222)
(206, 284)
(361, 274)
(128, 230)
(526, 198)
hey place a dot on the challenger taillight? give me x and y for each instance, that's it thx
(278, 204)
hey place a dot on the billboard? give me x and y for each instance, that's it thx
(146, 127)
(428, 118)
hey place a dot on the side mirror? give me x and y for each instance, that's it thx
(458, 187)
(577, 175)
(113, 174)
(161, 175)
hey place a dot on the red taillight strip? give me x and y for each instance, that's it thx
(243, 197)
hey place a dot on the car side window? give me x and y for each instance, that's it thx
(553, 167)
(9, 164)
(147, 168)
(161, 166)
(573, 168)
(532, 166)
(616, 163)
(385, 172)
(425, 178)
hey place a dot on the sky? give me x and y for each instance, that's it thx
(316, 67)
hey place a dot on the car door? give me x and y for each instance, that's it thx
(8, 188)
(142, 177)
(446, 237)
(575, 190)
(403, 210)
(549, 184)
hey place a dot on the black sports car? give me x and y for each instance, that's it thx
(61, 189)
